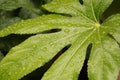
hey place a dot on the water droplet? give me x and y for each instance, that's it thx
(34, 46)
(15, 72)
(9, 73)
(103, 32)
(42, 23)
(69, 25)
(44, 49)
(23, 68)
(67, 30)
(71, 65)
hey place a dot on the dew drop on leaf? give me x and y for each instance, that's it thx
(9, 73)
(52, 45)
(72, 65)
(23, 68)
(45, 49)
(34, 46)
(66, 30)
(103, 32)
(15, 72)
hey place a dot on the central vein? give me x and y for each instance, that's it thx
(97, 25)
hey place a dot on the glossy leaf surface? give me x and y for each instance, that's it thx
(80, 29)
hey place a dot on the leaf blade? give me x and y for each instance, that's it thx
(72, 60)
(44, 23)
(105, 56)
(92, 9)
(30, 55)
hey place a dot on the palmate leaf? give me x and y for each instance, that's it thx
(80, 30)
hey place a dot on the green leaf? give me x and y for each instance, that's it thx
(46, 22)
(14, 4)
(92, 9)
(79, 30)
(34, 52)
(7, 18)
(67, 67)
(113, 21)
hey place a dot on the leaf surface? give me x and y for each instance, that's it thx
(80, 30)
(34, 52)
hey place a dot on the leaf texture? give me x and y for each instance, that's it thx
(91, 9)
(80, 30)
(34, 52)
(44, 23)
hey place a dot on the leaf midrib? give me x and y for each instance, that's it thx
(82, 14)
(61, 71)
(93, 11)
(63, 38)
